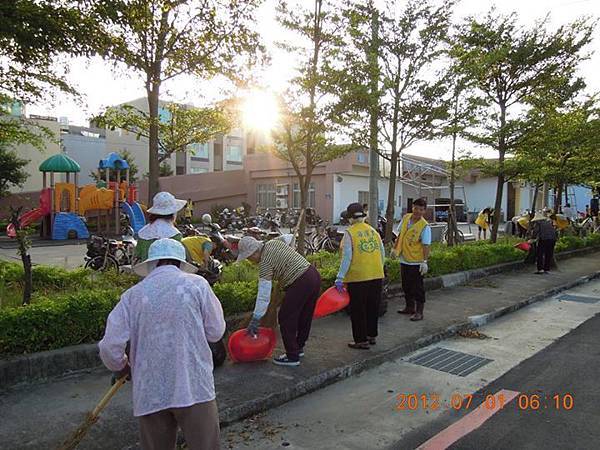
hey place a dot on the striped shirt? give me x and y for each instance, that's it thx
(281, 263)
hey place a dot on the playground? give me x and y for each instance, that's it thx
(68, 211)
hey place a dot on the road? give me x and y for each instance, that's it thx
(546, 349)
(66, 256)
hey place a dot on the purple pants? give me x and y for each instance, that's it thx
(296, 312)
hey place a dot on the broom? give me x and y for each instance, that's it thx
(75, 439)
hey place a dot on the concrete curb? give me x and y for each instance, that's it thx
(41, 366)
(239, 412)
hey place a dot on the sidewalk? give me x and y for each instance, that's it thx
(41, 416)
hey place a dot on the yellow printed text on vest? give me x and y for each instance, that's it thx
(409, 244)
(366, 254)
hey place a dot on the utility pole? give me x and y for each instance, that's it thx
(372, 57)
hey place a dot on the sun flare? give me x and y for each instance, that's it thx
(260, 111)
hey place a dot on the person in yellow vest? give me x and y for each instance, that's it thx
(483, 222)
(523, 224)
(412, 247)
(188, 211)
(361, 270)
(198, 249)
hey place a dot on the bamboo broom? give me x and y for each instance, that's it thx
(75, 439)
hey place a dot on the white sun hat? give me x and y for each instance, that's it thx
(164, 249)
(164, 204)
(247, 246)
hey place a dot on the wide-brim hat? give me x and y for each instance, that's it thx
(539, 216)
(247, 246)
(355, 210)
(164, 249)
(165, 203)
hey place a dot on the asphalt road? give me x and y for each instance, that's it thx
(568, 368)
(548, 348)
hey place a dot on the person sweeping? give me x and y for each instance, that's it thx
(483, 222)
(301, 282)
(544, 233)
(168, 319)
(363, 257)
(412, 247)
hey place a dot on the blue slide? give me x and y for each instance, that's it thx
(67, 222)
(135, 214)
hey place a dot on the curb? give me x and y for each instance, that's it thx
(42, 366)
(323, 379)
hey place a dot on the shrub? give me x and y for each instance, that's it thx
(236, 297)
(55, 323)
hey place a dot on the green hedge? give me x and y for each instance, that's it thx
(71, 307)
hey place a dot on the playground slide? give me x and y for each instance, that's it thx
(135, 214)
(25, 219)
(64, 223)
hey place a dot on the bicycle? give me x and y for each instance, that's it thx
(102, 254)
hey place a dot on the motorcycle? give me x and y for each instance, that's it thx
(226, 246)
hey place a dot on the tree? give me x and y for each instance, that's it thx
(24, 243)
(307, 136)
(409, 97)
(34, 33)
(562, 148)
(162, 39)
(164, 170)
(179, 127)
(514, 68)
(12, 170)
(133, 170)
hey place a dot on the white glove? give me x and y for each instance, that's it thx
(423, 268)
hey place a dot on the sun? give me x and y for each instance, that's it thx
(260, 110)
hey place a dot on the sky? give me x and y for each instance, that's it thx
(103, 85)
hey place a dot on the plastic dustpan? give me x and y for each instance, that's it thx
(245, 348)
(331, 301)
(525, 246)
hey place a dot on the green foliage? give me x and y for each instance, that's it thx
(58, 322)
(236, 297)
(71, 307)
(12, 167)
(179, 127)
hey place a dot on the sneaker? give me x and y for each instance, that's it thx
(283, 360)
(539, 272)
(301, 354)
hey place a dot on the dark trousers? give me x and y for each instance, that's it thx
(545, 254)
(413, 287)
(296, 313)
(365, 297)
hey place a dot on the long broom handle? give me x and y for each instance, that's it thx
(109, 394)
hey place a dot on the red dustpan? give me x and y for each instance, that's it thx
(331, 301)
(245, 348)
(525, 246)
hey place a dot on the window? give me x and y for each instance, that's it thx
(363, 197)
(265, 195)
(198, 170)
(296, 196)
(361, 158)
(199, 151)
(234, 153)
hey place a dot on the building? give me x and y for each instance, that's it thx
(223, 153)
(267, 182)
(86, 146)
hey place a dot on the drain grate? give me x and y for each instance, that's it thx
(577, 298)
(450, 361)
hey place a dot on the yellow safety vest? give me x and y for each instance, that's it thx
(366, 254)
(482, 220)
(408, 244)
(523, 221)
(193, 245)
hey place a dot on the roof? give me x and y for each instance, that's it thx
(113, 161)
(60, 163)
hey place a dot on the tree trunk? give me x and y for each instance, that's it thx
(558, 198)
(389, 211)
(567, 193)
(153, 163)
(28, 282)
(373, 130)
(501, 178)
(304, 185)
(452, 222)
(536, 192)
